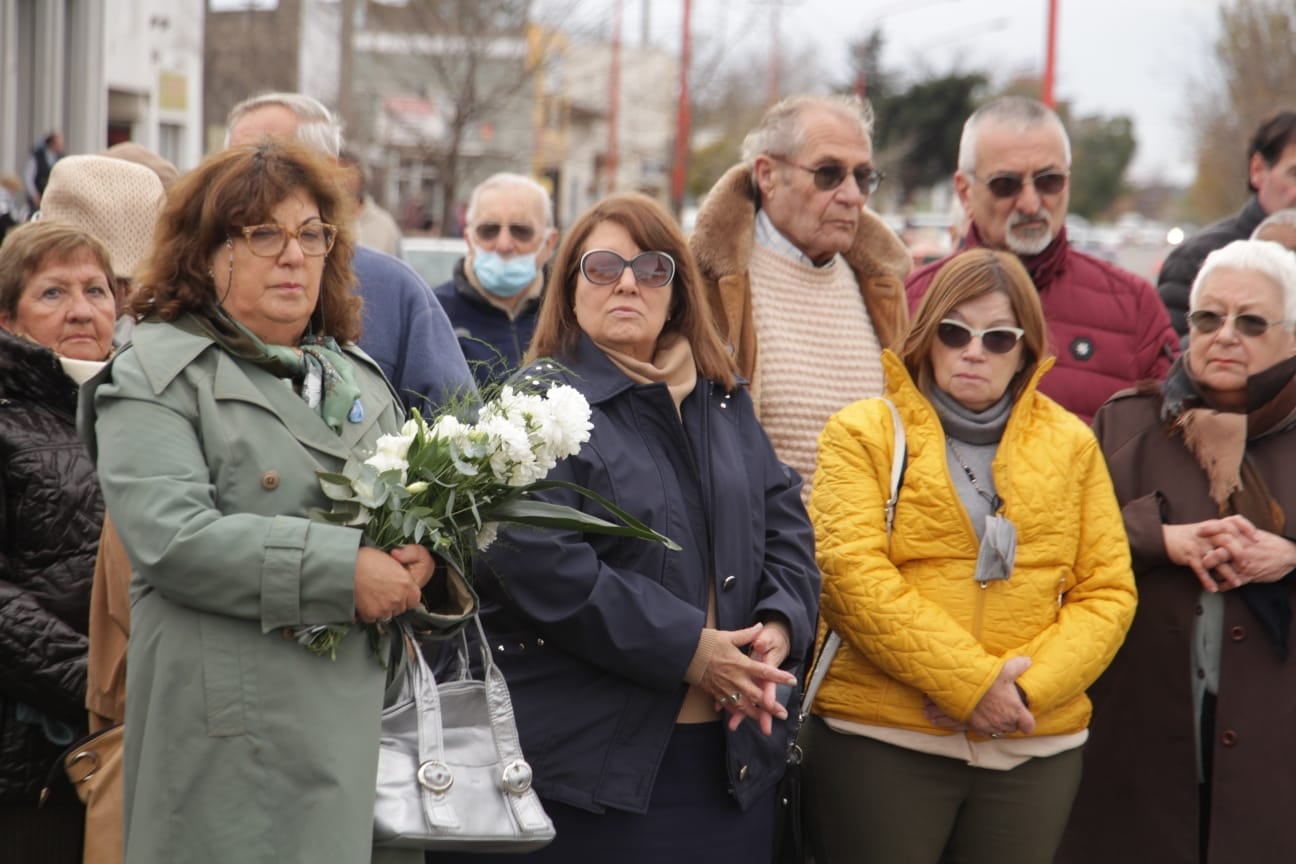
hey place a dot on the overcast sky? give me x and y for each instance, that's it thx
(1136, 57)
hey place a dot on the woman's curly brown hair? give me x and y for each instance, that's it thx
(234, 188)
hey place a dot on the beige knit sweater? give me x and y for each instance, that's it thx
(818, 351)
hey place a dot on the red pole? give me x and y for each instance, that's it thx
(1050, 56)
(614, 99)
(682, 118)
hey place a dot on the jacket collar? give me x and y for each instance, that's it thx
(1250, 216)
(31, 371)
(726, 227)
(902, 385)
(168, 350)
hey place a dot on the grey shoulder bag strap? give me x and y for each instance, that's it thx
(899, 454)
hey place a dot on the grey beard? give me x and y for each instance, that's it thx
(1030, 245)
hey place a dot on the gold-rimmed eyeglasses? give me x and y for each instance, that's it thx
(316, 239)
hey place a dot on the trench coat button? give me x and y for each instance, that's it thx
(1201, 673)
(1198, 610)
(1228, 737)
(1238, 633)
(270, 480)
(287, 634)
(729, 582)
(742, 773)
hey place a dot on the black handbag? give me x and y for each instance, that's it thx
(791, 832)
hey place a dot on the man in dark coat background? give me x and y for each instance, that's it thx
(1271, 176)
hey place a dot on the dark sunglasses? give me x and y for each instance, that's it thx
(604, 267)
(488, 231)
(1009, 185)
(830, 175)
(1246, 323)
(996, 340)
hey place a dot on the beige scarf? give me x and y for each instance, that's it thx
(672, 364)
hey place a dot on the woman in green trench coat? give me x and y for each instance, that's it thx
(241, 383)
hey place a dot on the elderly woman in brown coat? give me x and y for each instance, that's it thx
(1192, 755)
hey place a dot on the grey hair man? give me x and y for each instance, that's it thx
(804, 281)
(405, 330)
(494, 295)
(1107, 326)
(1278, 227)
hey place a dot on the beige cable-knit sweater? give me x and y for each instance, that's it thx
(819, 351)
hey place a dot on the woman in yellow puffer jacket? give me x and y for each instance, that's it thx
(949, 725)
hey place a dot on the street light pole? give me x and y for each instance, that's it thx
(682, 120)
(1050, 56)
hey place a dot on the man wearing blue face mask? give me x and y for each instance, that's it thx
(495, 293)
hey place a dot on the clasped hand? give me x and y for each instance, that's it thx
(1230, 552)
(752, 679)
(389, 583)
(1001, 710)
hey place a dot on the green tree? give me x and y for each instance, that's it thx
(1101, 150)
(919, 129)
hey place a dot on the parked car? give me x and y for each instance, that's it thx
(433, 257)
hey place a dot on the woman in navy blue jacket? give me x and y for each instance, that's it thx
(651, 686)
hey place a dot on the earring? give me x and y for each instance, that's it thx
(211, 274)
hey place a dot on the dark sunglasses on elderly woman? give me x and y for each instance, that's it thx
(1247, 323)
(604, 267)
(996, 340)
(1009, 185)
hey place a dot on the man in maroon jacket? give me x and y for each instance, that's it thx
(1107, 326)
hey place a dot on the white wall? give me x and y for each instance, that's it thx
(153, 74)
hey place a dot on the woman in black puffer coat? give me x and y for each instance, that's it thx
(56, 315)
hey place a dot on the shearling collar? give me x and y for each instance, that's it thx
(726, 225)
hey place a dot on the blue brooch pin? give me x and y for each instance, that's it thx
(357, 411)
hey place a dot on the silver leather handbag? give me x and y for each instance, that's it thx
(451, 775)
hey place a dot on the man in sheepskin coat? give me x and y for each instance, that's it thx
(806, 285)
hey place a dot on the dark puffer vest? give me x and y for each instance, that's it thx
(51, 513)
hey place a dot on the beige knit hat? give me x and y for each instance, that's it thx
(116, 201)
(140, 155)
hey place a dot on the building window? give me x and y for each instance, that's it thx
(171, 142)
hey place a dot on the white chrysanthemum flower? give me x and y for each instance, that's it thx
(486, 536)
(570, 420)
(510, 457)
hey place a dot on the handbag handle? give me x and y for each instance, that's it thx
(899, 459)
(435, 775)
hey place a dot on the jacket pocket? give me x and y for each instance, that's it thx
(222, 675)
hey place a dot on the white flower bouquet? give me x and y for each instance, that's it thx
(448, 485)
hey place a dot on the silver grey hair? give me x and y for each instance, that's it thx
(1258, 256)
(506, 179)
(317, 128)
(1017, 112)
(781, 133)
(1278, 219)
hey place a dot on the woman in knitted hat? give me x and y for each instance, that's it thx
(56, 324)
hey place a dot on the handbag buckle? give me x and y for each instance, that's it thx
(516, 778)
(435, 777)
